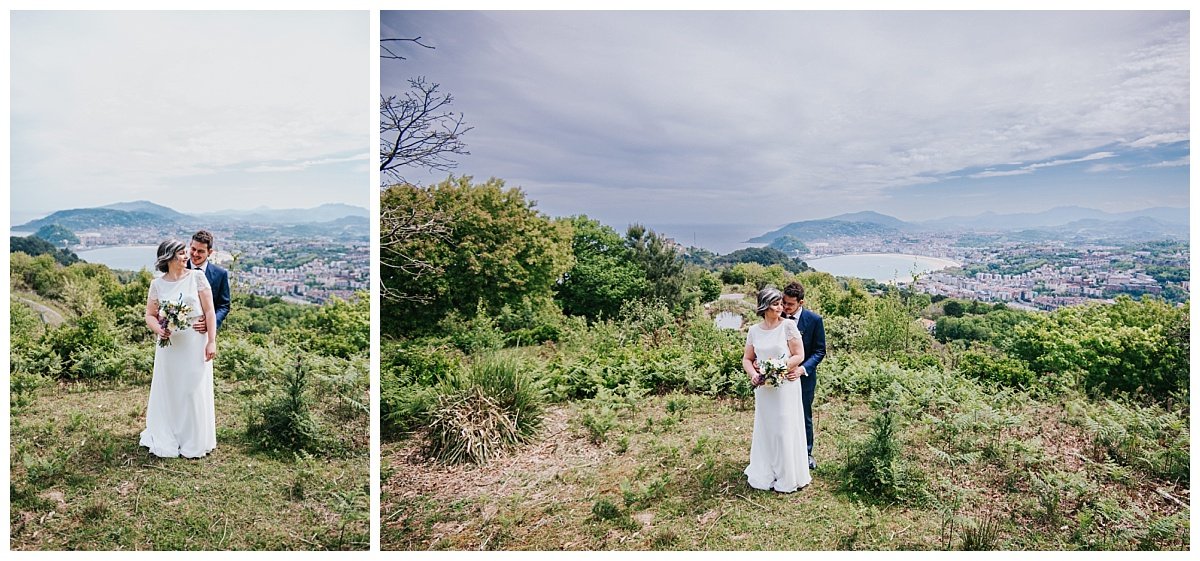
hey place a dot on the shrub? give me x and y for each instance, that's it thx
(285, 422)
(875, 467)
(494, 408)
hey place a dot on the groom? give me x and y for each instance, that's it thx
(201, 250)
(812, 331)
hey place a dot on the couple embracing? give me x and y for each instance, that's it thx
(781, 357)
(184, 309)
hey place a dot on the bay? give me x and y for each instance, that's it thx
(882, 267)
(123, 257)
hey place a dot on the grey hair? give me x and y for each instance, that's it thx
(767, 296)
(166, 252)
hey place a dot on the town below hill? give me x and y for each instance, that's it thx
(303, 255)
(1061, 257)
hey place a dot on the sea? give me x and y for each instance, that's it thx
(124, 257)
(881, 267)
(717, 238)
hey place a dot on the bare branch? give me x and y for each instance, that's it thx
(390, 54)
(399, 228)
(417, 130)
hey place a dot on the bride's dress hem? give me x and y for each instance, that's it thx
(147, 441)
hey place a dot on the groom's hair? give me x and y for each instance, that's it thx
(795, 290)
(204, 237)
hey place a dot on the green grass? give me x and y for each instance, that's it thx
(79, 480)
(667, 475)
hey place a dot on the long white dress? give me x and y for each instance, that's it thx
(181, 415)
(778, 450)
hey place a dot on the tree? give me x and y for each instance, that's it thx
(56, 235)
(604, 275)
(661, 261)
(953, 308)
(416, 130)
(496, 250)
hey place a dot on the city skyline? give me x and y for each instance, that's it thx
(689, 118)
(199, 111)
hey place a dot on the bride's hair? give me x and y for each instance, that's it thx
(166, 252)
(767, 296)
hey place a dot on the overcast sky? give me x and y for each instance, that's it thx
(198, 111)
(772, 117)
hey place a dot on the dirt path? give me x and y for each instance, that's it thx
(49, 315)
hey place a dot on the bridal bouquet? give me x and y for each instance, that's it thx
(773, 371)
(173, 315)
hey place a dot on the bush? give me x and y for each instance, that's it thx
(1150, 438)
(494, 408)
(285, 422)
(875, 467)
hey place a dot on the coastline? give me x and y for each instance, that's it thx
(932, 260)
(893, 267)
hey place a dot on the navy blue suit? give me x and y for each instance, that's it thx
(219, 279)
(812, 332)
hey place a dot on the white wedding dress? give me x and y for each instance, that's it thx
(778, 450)
(181, 415)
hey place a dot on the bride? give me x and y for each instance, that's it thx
(778, 451)
(180, 418)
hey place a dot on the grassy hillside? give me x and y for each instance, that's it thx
(646, 422)
(80, 380)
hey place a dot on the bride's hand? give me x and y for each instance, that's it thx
(165, 334)
(210, 351)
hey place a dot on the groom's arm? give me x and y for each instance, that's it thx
(810, 364)
(221, 298)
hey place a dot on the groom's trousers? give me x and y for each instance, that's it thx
(808, 386)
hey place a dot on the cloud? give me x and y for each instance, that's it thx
(990, 173)
(148, 102)
(1156, 140)
(829, 109)
(301, 166)
(1179, 162)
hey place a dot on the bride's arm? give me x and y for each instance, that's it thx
(748, 358)
(210, 318)
(152, 316)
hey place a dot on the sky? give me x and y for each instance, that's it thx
(197, 111)
(692, 120)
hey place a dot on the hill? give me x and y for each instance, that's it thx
(34, 246)
(263, 215)
(827, 228)
(97, 218)
(149, 207)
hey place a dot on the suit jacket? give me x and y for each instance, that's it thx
(219, 279)
(812, 331)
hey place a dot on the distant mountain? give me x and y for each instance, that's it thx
(346, 226)
(808, 230)
(874, 218)
(80, 219)
(263, 215)
(1140, 228)
(1053, 218)
(1069, 221)
(149, 207)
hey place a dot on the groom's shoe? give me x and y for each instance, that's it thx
(812, 464)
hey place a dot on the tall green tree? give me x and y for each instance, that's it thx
(604, 275)
(661, 260)
(496, 250)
